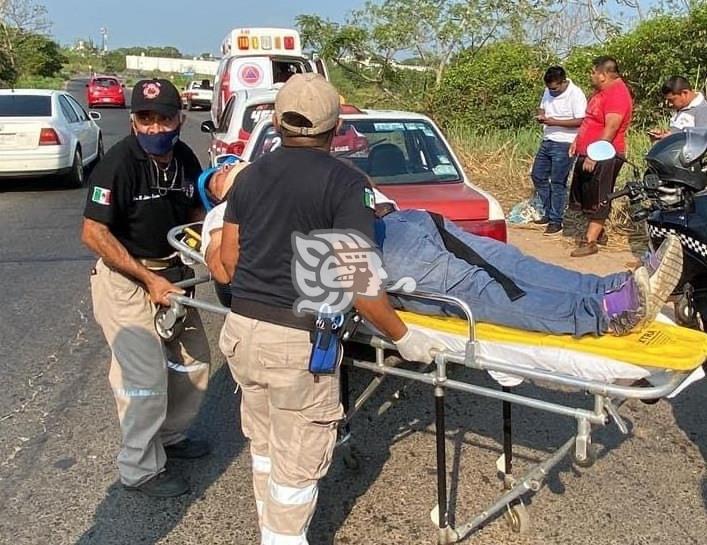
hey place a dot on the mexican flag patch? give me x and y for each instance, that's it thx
(101, 196)
(369, 198)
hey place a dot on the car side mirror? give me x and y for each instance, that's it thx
(208, 126)
(94, 115)
(86, 85)
(122, 85)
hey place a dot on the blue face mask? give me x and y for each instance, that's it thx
(160, 143)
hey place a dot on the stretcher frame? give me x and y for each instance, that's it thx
(608, 399)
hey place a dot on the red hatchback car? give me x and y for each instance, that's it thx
(105, 91)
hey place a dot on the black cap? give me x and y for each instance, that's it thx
(155, 95)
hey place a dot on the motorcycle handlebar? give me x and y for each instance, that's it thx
(617, 194)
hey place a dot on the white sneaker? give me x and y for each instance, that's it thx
(666, 275)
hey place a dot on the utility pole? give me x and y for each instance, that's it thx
(104, 40)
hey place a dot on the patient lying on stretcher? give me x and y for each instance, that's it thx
(501, 284)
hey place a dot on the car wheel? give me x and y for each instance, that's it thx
(76, 177)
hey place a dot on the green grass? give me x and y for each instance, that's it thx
(39, 82)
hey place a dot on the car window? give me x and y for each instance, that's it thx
(225, 120)
(105, 82)
(389, 151)
(283, 70)
(255, 114)
(67, 110)
(25, 105)
(83, 116)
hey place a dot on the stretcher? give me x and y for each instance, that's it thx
(650, 364)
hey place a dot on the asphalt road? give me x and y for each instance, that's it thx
(59, 434)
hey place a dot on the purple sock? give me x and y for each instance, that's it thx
(622, 299)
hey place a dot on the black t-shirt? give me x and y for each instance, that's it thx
(288, 190)
(124, 195)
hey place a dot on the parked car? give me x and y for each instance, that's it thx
(409, 160)
(244, 110)
(197, 94)
(105, 91)
(45, 132)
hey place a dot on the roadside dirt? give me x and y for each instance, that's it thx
(557, 251)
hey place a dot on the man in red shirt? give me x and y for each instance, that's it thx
(608, 117)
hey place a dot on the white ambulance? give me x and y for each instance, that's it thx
(258, 58)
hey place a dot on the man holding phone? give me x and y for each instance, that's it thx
(689, 107)
(561, 112)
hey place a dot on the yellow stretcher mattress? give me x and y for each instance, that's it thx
(659, 345)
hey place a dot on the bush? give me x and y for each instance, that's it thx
(498, 86)
(39, 82)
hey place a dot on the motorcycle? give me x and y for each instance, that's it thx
(671, 199)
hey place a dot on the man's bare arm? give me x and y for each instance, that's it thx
(380, 313)
(229, 248)
(213, 258)
(612, 124)
(98, 238)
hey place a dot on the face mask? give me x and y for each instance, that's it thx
(160, 143)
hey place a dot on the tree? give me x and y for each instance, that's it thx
(38, 55)
(498, 87)
(18, 19)
(368, 44)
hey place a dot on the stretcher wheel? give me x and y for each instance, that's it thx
(518, 518)
(590, 460)
(167, 328)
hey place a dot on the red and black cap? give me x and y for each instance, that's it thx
(155, 95)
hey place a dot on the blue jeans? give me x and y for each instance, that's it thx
(550, 171)
(557, 300)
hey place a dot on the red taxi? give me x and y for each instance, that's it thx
(409, 160)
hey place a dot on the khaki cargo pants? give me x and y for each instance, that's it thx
(290, 417)
(158, 387)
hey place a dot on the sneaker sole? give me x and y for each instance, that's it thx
(666, 277)
(643, 282)
(557, 234)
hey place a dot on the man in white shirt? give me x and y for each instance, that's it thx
(562, 109)
(689, 107)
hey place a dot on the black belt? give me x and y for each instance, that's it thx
(286, 317)
(462, 251)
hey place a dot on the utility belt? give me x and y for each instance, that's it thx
(326, 331)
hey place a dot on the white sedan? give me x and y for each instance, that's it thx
(45, 132)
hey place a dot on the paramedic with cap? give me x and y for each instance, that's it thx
(289, 414)
(143, 187)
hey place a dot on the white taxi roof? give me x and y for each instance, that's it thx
(387, 114)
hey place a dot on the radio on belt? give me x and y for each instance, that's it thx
(327, 350)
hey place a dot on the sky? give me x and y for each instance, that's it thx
(192, 26)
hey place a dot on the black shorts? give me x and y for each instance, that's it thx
(589, 189)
